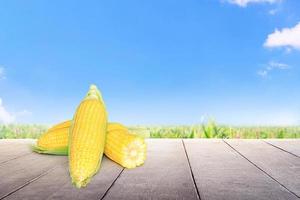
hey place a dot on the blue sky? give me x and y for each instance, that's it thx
(156, 62)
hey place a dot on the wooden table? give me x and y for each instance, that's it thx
(175, 169)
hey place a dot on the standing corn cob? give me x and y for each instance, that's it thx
(122, 147)
(87, 138)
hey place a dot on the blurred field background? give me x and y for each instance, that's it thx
(210, 129)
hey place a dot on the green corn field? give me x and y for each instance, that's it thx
(209, 129)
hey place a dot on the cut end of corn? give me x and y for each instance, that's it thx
(123, 147)
(135, 153)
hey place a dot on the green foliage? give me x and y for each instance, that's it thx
(16, 131)
(212, 130)
(206, 130)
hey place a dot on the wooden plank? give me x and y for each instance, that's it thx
(290, 145)
(282, 166)
(57, 184)
(8, 145)
(221, 173)
(12, 149)
(165, 175)
(14, 141)
(19, 172)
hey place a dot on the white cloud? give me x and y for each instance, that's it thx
(2, 73)
(5, 116)
(263, 73)
(8, 117)
(278, 65)
(287, 37)
(244, 3)
(272, 66)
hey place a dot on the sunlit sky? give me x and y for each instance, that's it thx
(155, 62)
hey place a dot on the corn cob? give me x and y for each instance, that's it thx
(124, 148)
(87, 138)
(55, 140)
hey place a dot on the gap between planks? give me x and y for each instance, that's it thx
(261, 169)
(191, 171)
(112, 184)
(281, 149)
(28, 182)
(19, 156)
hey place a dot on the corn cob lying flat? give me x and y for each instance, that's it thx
(87, 138)
(55, 140)
(124, 148)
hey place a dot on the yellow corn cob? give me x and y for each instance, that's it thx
(87, 138)
(65, 124)
(55, 140)
(124, 148)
